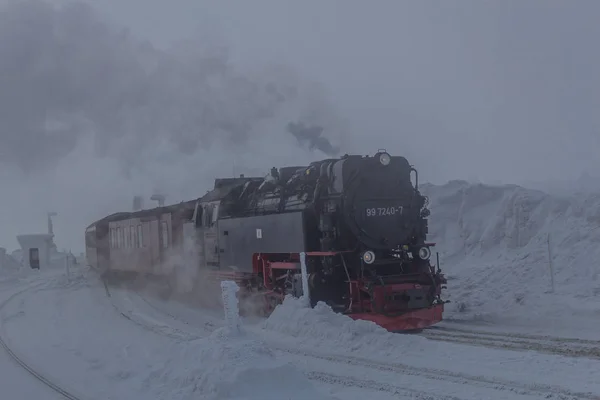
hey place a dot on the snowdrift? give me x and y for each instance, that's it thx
(229, 365)
(322, 327)
(501, 245)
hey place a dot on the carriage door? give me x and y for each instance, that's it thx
(196, 237)
(211, 238)
(154, 245)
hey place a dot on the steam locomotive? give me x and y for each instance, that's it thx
(360, 221)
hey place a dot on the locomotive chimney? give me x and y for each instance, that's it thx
(137, 203)
(160, 198)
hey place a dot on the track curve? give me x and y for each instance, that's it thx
(321, 376)
(147, 324)
(20, 359)
(432, 374)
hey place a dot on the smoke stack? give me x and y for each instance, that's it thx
(137, 203)
(160, 198)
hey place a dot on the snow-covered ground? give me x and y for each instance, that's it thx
(16, 382)
(132, 345)
(507, 334)
(518, 256)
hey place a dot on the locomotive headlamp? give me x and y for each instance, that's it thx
(424, 253)
(384, 158)
(368, 257)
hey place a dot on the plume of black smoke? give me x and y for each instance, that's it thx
(313, 135)
(65, 73)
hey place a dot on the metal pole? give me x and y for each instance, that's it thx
(518, 227)
(305, 288)
(550, 264)
(67, 262)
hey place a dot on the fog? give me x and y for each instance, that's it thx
(132, 96)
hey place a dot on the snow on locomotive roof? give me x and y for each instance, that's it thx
(223, 186)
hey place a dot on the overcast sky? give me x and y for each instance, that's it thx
(495, 90)
(489, 90)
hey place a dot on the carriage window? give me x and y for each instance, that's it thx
(215, 213)
(199, 215)
(211, 214)
(140, 238)
(132, 237)
(112, 237)
(119, 237)
(165, 234)
(208, 215)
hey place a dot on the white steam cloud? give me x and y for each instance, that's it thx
(65, 73)
(90, 116)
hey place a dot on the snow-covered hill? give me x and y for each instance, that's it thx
(493, 244)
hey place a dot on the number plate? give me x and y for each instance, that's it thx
(383, 211)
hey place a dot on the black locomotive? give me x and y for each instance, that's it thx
(360, 221)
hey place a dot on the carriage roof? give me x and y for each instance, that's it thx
(221, 189)
(119, 216)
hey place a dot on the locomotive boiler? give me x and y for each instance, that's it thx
(360, 220)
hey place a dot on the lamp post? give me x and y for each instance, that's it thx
(51, 227)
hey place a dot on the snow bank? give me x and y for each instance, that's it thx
(493, 244)
(229, 365)
(229, 291)
(322, 327)
(7, 263)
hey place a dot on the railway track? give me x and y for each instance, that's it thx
(570, 347)
(369, 384)
(153, 326)
(321, 376)
(432, 374)
(21, 360)
(446, 376)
